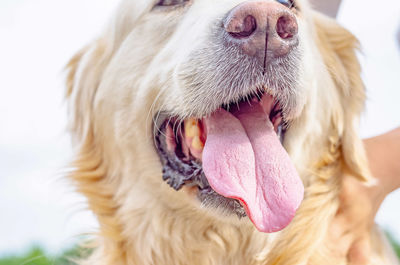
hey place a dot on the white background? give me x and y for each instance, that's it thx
(37, 37)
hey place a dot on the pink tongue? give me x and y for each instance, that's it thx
(244, 159)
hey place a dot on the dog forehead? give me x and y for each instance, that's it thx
(151, 16)
(147, 5)
(132, 13)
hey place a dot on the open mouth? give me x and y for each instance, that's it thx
(235, 158)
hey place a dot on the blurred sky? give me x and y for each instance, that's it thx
(37, 37)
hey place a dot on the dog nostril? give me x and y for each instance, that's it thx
(245, 28)
(286, 27)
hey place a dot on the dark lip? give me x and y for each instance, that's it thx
(178, 172)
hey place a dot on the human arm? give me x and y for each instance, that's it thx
(384, 156)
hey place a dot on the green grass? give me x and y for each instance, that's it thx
(395, 244)
(37, 256)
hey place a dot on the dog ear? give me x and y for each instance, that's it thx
(88, 170)
(85, 70)
(84, 73)
(338, 48)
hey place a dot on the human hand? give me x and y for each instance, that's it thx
(351, 228)
(350, 231)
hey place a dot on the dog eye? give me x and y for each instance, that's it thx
(288, 3)
(171, 2)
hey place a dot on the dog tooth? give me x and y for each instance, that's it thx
(192, 128)
(197, 143)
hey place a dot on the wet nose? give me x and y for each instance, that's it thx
(264, 29)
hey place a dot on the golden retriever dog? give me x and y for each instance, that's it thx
(217, 132)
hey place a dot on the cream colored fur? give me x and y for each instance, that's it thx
(120, 81)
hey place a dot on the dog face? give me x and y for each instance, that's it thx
(237, 99)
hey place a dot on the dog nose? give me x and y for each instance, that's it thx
(264, 29)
